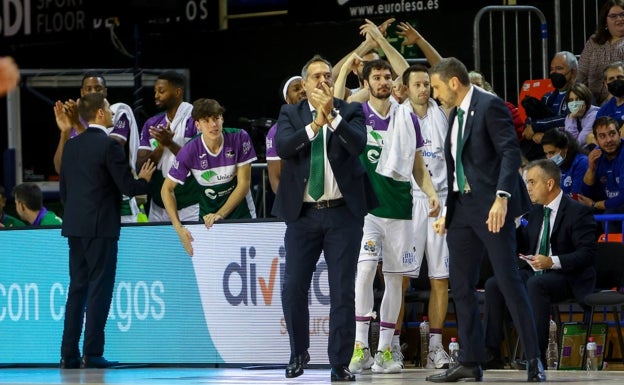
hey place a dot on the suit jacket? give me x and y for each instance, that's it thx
(572, 239)
(490, 154)
(94, 174)
(344, 146)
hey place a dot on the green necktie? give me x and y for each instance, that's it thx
(459, 167)
(316, 184)
(545, 241)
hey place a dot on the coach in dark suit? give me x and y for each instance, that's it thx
(483, 159)
(94, 174)
(325, 215)
(566, 270)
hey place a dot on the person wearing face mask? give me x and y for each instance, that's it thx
(602, 48)
(561, 148)
(614, 80)
(582, 114)
(563, 68)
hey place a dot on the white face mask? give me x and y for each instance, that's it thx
(557, 158)
(575, 105)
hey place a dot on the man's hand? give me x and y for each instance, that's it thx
(186, 238)
(9, 75)
(439, 226)
(210, 219)
(147, 170)
(497, 214)
(323, 101)
(592, 158)
(62, 118)
(408, 33)
(434, 206)
(163, 135)
(541, 262)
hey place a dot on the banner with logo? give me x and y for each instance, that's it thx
(220, 306)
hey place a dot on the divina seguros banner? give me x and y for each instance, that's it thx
(220, 306)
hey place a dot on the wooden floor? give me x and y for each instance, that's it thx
(239, 376)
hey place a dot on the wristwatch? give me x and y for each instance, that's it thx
(333, 113)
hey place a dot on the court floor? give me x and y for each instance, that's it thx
(239, 376)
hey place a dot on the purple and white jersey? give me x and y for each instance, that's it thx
(271, 151)
(216, 173)
(120, 129)
(147, 143)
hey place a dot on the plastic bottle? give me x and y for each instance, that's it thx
(552, 352)
(592, 356)
(141, 216)
(453, 352)
(424, 341)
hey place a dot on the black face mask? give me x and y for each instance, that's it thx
(616, 88)
(558, 80)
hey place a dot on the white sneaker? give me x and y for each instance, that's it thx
(438, 358)
(361, 359)
(385, 363)
(397, 355)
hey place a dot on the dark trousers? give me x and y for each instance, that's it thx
(92, 268)
(468, 237)
(337, 233)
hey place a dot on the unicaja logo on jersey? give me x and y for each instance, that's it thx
(373, 155)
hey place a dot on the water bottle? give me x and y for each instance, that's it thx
(453, 352)
(141, 216)
(424, 341)
(592, 356)
(552, 352)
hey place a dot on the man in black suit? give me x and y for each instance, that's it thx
(321, 215)
(95, 173)
(566, 270)
(483, 159)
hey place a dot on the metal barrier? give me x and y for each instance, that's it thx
(606, 218)
(516, 63)
(575, 21)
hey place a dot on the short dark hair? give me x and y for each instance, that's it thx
(583, 93)
(205, 108)
(30, 194)
(92, 74)
(377, 64)
(413, 68)
(604, 121)
(450, 67)
(173, 77)
(315, 58)
(548, 169)
(90, 104)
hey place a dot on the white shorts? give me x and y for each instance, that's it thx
(428, 242)
(390, 240)
(187, 214)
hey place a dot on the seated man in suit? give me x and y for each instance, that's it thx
(556, 262)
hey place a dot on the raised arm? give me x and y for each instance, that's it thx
(412, 36)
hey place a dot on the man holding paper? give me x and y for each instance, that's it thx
(557, 243)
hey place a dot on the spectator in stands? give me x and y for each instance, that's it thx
(124, 130)
(603, 183)
(162, 136)
(582, 114)
(614, 81)
(9, 75)
(563, 69)
(293, 92)
(567, 256)
(29, 206)
(563, 149)
(602, 48)
(7, 220)
(220, 161)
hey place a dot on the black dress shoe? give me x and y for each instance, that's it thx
(96, 362)
(456, 373)
(70, 362)
(295, 367)
(341, 373)
(535, 370)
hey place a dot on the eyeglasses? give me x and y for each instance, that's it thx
(614, 16)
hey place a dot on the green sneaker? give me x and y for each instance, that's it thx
(361, 360)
